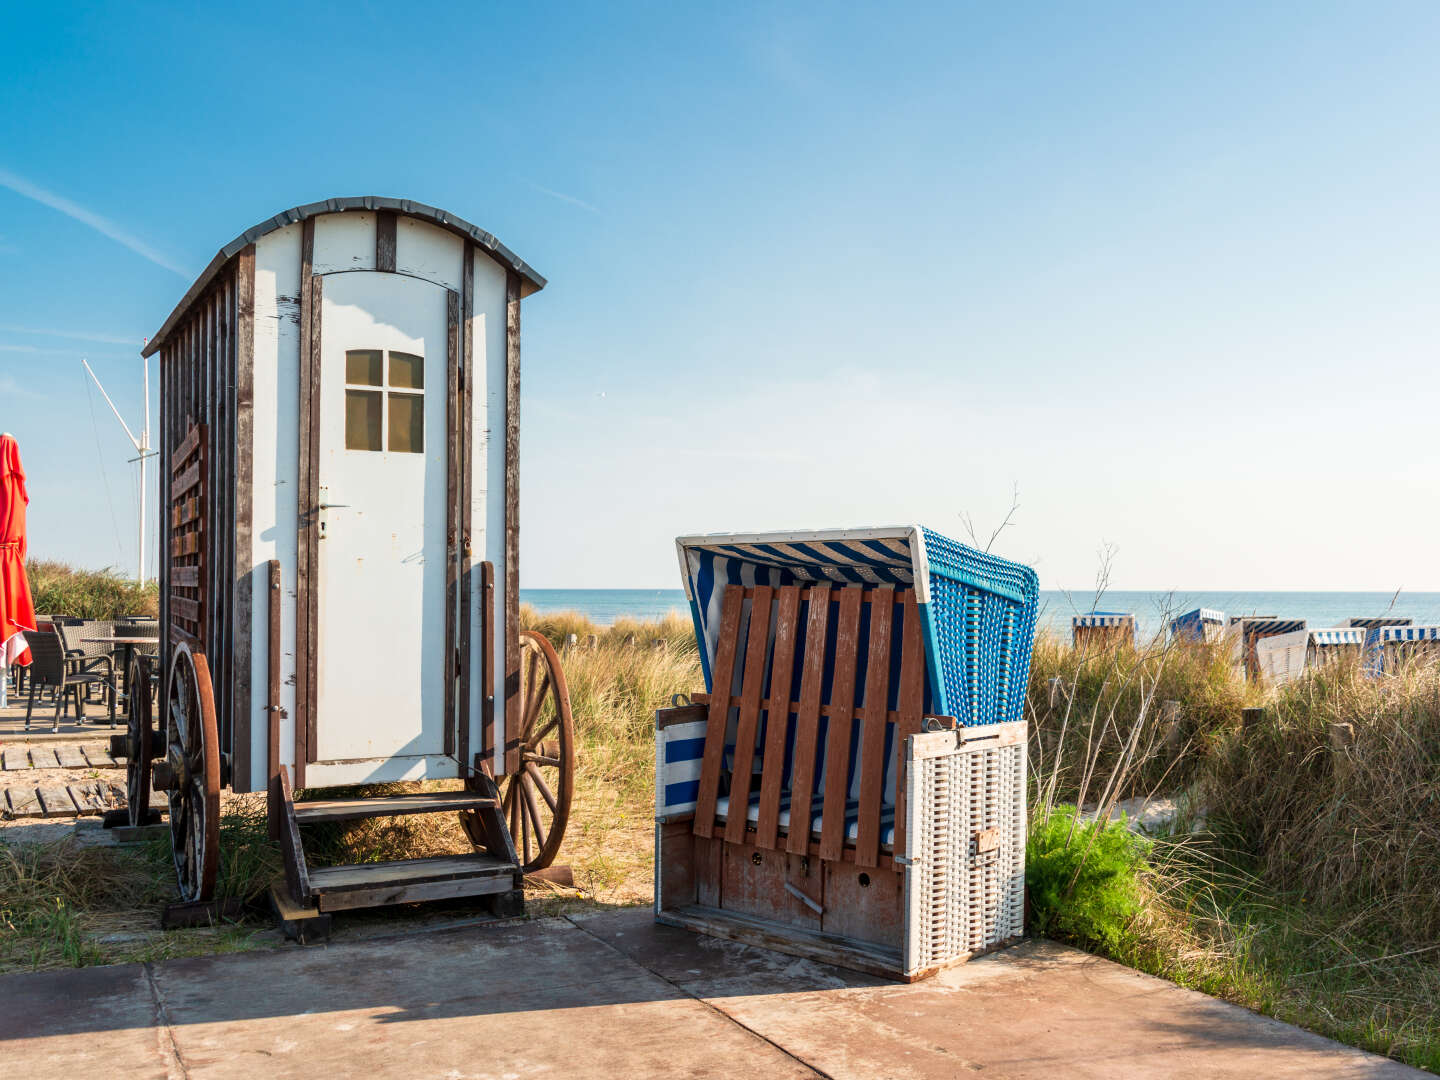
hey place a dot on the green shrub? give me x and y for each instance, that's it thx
(1083, 878)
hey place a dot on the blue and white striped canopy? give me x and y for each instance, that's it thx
(1352, 635)
(1104, 618)
(1377, 638)
(1266, 624)
(1372, 622)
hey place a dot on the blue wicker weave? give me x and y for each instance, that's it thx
(981, 628)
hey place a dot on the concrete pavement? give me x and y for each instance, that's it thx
(614, 995)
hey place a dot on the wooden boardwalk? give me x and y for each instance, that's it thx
(62, 800)
(19, 756)
(74, 792)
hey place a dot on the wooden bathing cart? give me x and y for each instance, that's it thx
(851, 785)
(339, 579)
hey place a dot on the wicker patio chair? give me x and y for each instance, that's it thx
(51, 667)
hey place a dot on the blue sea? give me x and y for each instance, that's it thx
(604, 606)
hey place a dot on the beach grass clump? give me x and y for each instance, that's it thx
(1336, 794)
(1161, 709)
(61, 589)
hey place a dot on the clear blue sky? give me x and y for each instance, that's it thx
(1170, 269)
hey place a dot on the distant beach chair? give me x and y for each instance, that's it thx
(1246, 631)
(1201, 625)
(1368, 623)
(1388, 648)
(1282, 657)
(1102, 629)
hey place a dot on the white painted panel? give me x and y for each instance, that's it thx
(344, 242)
(429, 252)
(276, 472)
(488, 486)
(381, 590)
(379, 770)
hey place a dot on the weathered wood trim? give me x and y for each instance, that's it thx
(467, 487)
(306, 498)
(243, 580)
(487, 661)
(452, 495)
(166, 424)
(385, 229)
(275, 600)
(510, 625)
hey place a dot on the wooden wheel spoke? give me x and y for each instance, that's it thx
(542, 759)
(550, 726)
(539, 781)
(534, 703)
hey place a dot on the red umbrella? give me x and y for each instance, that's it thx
(17, 609)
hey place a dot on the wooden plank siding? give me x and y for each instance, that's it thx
(242, 557)
(200, 397)
(467, 484)
(510, 625)
(451, 665)
(306, 498)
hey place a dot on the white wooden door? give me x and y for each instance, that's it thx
(382, 544)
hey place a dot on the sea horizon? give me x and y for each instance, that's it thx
(1151, 607)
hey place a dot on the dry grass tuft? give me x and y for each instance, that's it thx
(61, 589)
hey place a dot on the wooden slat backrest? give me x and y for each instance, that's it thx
(842, 718)
(752, 642)
(724, 673)
(807, 720)
(777, 722)
(872, 730)
(749, 721)
(910, 704)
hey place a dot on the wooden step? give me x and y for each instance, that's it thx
(421, 802)
(437, 878)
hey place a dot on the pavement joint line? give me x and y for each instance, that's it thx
(707, 1004)
(162, 1018)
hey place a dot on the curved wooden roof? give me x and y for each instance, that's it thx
(531, 282)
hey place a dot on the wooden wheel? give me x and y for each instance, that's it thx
(141, 739)
(189, 774)
(536, 799)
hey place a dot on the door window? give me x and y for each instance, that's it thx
(392, 414)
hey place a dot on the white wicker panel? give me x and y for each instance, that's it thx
(960, 900)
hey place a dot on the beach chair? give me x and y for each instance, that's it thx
(1245, 631)
(1282, 657)
(851, 785)
(1200, 625)
(1102, 629)
(1389, 648)
(1372, 623)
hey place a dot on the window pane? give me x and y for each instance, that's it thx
(362, 366)
(407, 423)
(407, 371)
(362, 420)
